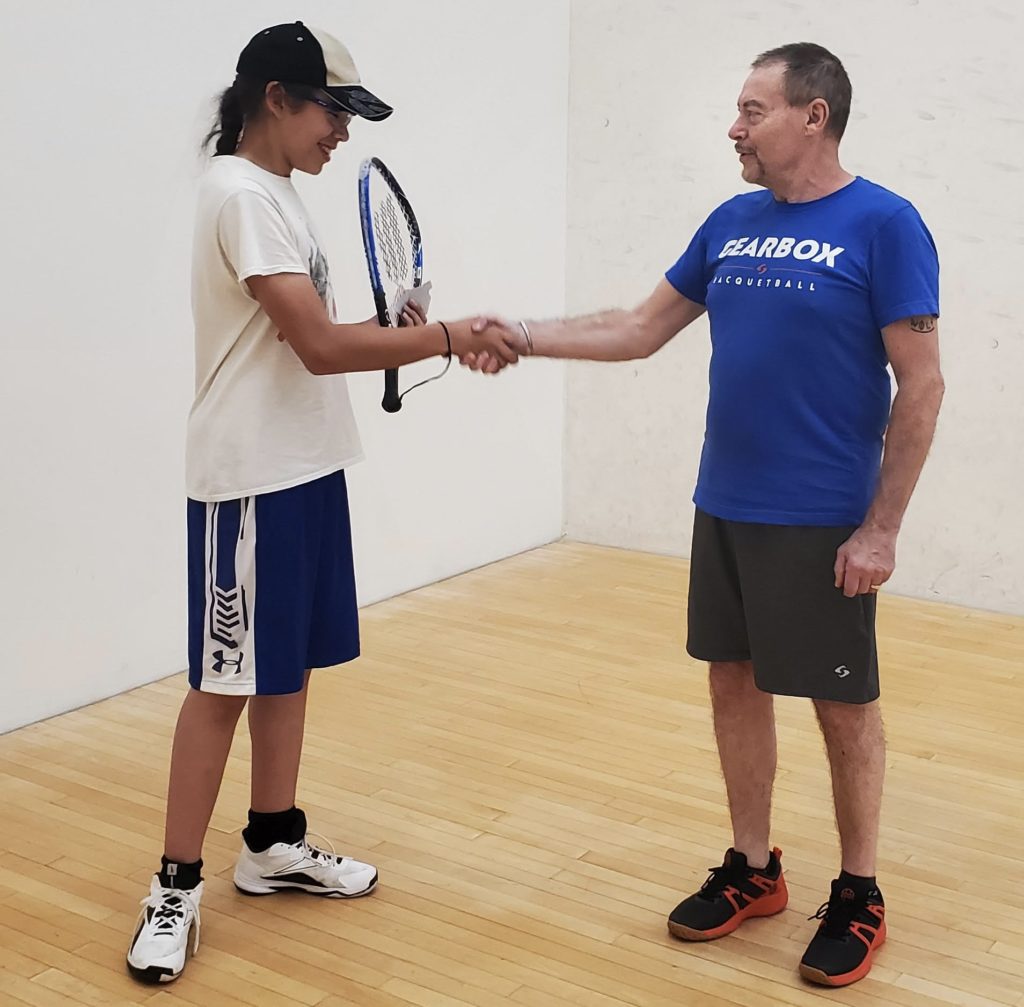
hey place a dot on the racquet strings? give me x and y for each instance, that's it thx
(393, 243)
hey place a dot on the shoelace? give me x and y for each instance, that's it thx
(170, 907)
(837, 917)
(719, 878)
(316, 853)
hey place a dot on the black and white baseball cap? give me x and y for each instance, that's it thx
(296, 54)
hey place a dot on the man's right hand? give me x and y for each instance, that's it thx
(486, 344)
(480, 358)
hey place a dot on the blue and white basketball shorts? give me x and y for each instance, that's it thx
(271, 589)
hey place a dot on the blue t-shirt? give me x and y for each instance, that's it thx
(797, 295)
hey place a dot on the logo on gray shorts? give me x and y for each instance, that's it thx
(842, 671)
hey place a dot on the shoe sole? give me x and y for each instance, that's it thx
(259, 892)
(152, 976)
(847, 979)
(767, 905)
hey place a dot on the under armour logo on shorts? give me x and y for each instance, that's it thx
(220, 662)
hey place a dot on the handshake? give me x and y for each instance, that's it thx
(488, 344)
(483, 343)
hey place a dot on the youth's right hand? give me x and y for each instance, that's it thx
(481, 359)
(473, 338)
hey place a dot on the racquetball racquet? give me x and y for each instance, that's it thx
(394, 253)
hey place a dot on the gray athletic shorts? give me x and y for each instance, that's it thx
(766, 593)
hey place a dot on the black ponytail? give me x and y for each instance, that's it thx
(239, 104)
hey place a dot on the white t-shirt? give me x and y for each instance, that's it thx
(260, 421)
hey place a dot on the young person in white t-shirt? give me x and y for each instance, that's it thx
(270, 579)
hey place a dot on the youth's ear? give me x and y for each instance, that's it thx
(275, 99)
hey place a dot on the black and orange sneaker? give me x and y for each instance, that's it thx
(732, 893)
(852, 929)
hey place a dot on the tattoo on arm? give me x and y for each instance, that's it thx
(923, 323)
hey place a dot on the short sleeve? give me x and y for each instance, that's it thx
(689, 275)
(255, 238)
(904, 269)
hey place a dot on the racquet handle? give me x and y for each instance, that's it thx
(392, 401)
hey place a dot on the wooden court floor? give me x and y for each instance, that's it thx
(525, 751)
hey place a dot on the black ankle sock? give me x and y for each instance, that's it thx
(267, 828)
(771, 869)
(176, 875)
(861, 885)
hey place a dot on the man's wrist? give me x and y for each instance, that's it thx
(527, 336)
(882, 524)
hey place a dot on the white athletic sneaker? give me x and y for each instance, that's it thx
(167, 934)
(305, 867)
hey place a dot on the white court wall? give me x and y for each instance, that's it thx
(936, 117)
(105, 105)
